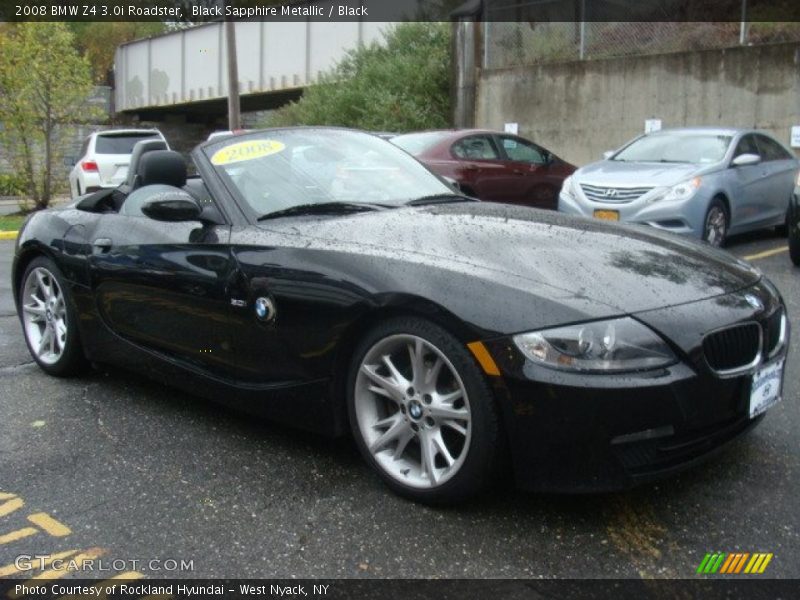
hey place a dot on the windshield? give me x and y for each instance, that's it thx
(120, 143)
(280, 169)
(676, 147)
(417, 143)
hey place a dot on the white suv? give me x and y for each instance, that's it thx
(104, 159)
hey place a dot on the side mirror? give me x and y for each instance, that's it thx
(608, 154)
(173, 206)
(744, 160)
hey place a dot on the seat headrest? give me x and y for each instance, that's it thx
(136, 156)
(166, 167)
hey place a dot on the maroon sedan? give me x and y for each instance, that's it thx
(490, 165)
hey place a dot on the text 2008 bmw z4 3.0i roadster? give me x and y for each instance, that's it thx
(326, 279)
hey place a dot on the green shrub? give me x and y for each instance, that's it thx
(401, 85)
(11, 185)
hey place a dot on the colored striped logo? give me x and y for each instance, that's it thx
(735, 563)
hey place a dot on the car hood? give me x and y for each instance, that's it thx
(601, 268)
(612, 173)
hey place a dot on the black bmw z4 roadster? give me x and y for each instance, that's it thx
(324, 278)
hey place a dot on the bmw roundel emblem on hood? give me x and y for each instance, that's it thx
(265, 308)
(754, 301)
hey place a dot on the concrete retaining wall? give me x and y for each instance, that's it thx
(580, 109)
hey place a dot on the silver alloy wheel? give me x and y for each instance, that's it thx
(715, 226)
(413, 411)
(44, 315)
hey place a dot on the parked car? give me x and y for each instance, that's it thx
(217, 134)
(353, 291)
(708, 183)
(492, 166)
(104, 159)
(793, 226)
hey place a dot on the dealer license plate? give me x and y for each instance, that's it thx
(766, 388)
(607, 215)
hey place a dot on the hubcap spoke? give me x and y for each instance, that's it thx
(398, 376)
(416, 352)
(35, 310)
(384, 386)
(402, 443)
(43, 286)
(448, 412)
(433, 373)
(389, 436)
(442, 449)
(44, 342)
(428, 458)
(455, 425)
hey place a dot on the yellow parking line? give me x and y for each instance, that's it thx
(18, 535)
(38, 564)
(9, 506)
(6, 496)
(767, 253)
(49, 524)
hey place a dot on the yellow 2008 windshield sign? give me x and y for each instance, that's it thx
(247, 150)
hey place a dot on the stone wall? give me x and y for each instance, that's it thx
(581, 109)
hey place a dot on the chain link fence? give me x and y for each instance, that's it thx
(510, 44)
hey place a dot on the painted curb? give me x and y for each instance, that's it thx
(8, 235)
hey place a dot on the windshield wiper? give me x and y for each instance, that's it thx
(322, 208)
(439, 199)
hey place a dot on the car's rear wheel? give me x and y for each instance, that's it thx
(422, 413)
(794, 242)
(48, 319)
(716, 224)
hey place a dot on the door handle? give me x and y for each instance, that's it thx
(102, 244)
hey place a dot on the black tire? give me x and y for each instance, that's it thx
(794, 243)
(715, 232)
(783, 230)
(482, 461)
(544, 196)
(72, 360)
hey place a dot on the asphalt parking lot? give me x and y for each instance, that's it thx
(111, 465)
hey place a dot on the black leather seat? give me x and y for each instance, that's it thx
(166, 167)
(139, 150)
(158, 171)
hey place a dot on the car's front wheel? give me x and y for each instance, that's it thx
(48, 319)
(422, 413)
(716, 224)
(793, 234)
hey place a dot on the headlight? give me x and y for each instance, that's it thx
(681, 191)
(568, 187)
(601, 346)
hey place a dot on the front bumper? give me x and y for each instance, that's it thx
(683, 217)
(572, 432)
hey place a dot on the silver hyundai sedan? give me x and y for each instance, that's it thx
(704, 182)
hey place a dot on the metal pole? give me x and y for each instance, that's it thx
(743, 25)
(234, 111)
(582, 51)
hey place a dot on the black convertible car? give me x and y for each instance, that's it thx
(326, 279)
